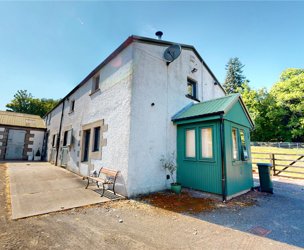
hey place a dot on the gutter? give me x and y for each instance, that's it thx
(59, 134)
(224, 190)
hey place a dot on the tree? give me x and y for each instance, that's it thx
(24, 102)
(234, 77)
(289, 103)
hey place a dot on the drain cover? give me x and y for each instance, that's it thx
(260, 231)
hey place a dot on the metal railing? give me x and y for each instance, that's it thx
(297, 145)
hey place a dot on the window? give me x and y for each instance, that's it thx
(65, 138)
(190, 143)
(54, 141)
(244, 152)
(72, 106)
(192, 89)
(95, 85)
(235, 147)
(86, 144)
(96, 139)
(206, 143)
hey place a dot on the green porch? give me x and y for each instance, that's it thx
(213, 146)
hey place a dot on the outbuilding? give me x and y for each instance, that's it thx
(21, 136)
(213, 146)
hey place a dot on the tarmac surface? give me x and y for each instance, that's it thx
(278, 216)
(39, 188)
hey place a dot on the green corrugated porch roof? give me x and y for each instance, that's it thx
(210, 108)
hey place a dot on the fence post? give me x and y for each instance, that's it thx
(272, 161)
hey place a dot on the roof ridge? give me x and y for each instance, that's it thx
(211, 100)
(12, 113)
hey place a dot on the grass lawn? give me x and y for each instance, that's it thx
(296, 170)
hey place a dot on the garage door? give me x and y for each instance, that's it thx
(15, 145)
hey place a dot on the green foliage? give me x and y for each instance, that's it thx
(24, 102)
(278, 115)
(234, 77)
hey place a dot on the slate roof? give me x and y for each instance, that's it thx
(208, 108)
(21, 120)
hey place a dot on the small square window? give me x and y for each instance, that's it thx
(96, 139)
(192, 89)
(95, 85)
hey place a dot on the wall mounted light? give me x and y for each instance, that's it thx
(193, 70)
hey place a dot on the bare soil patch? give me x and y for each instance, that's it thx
(190, 202)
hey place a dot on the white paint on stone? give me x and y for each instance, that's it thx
(1, 137)
(2, 129)
(138, 134)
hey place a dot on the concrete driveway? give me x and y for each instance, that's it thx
(39, 188)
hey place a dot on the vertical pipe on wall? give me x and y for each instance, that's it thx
(59, 134)
(223, 159)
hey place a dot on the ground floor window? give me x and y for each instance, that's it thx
(206, 143)
(235, 150)
(86, 144)
(190, 143)
(96, 139)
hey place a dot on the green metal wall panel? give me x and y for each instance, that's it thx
(197, 173)
(238, 173)
(237, 115)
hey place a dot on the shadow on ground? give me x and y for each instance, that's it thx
(278, 216)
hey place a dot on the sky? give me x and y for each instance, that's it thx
(48, 48)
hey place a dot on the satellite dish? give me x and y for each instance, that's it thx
(172, 52)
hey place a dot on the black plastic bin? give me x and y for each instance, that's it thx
(265, 177)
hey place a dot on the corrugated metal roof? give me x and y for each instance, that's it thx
(211, 107)
(21, 120)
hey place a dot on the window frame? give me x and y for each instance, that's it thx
(243, 157)
(195, 142)
(96, 142)
(193, 95)
(237, 144)
(95, 83)
(201, 158)
(72, 106)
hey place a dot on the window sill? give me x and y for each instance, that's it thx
(95, 91)
(71, 112)
(192, 97)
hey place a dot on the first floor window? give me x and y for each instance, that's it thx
(191, 89)
(95, 85)
(54, 141)
(235, 151)
(96, 139)
(190, 143)
(206, 141)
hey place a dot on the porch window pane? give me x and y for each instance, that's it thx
(190, 143)
(235, 150)
(206, 140)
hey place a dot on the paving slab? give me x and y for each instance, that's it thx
(39, 188)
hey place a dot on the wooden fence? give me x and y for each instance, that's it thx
(287, 165)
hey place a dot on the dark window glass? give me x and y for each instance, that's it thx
(54, 140)
(65, 138)
(86, 144)
(95, 83)
(72, 106)
(96, 139)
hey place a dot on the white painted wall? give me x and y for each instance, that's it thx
(152, 131)
(112, 104)
(37, 143)
(138, 133)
